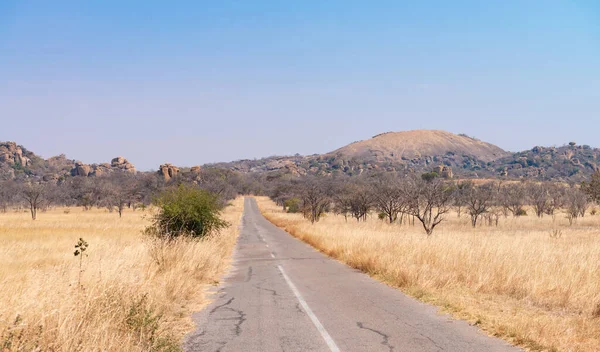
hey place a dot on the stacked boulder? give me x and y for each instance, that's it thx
(11, 154)
(168, 171)
(117, 164)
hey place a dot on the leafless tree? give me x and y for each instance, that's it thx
(556, 198)
(388, 196)
(513, 198)
(315, 197)
(539, 197)
(592, 187)
(429, 201)
(8, 190)
(35, 196)
(576, 202)
(353, 198)
(478, 199)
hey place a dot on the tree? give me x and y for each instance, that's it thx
(428, 201)
(315, 197)
(556, 198)
(478, 199)
(576, 203)
(35, 196)
(513, 198)
(7, 194)
(388, 197)
(592, 187)
(539, 197)
(120, 191)
(353, 198)
(186, 211)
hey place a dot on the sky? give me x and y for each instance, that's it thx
(191, 82)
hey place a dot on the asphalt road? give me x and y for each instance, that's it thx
(282, 295)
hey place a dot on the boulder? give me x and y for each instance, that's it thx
(81, 169)
(195, 169)
(168, 171)
(122, 164)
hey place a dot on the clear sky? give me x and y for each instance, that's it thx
(190, 82)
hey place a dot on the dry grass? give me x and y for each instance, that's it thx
(134, 296)
(515, 280)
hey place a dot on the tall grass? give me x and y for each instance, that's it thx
(518, 281)
(135, 294)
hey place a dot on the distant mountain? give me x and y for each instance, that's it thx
(399, 146)
(450, 155)
(18, 162)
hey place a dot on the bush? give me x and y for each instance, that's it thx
(292, 205)
(186, 211)
(521, 212)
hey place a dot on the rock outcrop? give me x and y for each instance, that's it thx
(122, 164)
(119, 164)
(81, 169)
(168, 171)
(195, 169)
(12, 154)
(444, 171)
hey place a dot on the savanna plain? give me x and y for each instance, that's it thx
(125, 292)
(532, 281)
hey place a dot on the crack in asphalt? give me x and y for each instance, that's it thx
(385, 337)
(273, 292)
(249, 274)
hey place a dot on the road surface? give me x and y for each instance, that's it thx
(282, 295)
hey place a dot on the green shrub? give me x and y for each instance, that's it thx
(292, 205)
(186, 211)
(521, 212)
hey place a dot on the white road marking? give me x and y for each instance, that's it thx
(332, 346)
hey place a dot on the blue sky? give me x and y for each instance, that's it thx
(190, 82)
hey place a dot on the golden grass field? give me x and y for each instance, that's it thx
(135, 295)
(514, 281)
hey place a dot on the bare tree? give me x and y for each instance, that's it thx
(315, 198)
(576, 203)
(556, 195)
(513, 198)
(353, 198)
(119, 191)
(7, 194)
(388, 196)
(428, 200)
(592, 187)
(35, 196)
(478, 199)
(539, 197)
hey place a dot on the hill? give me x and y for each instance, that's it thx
(398, 146)
(419, 151)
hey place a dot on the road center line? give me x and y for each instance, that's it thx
(330, 343)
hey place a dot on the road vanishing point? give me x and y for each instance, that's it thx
(283, 295)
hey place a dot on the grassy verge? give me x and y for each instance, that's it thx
(514, 281)
(134, 295)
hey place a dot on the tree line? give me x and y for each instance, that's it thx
(428, 199)
(118, 190)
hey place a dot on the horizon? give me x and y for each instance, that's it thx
(277, 155)
(193, 84)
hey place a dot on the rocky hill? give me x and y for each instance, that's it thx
(449, 155)
(18, 162)
(419, 144)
